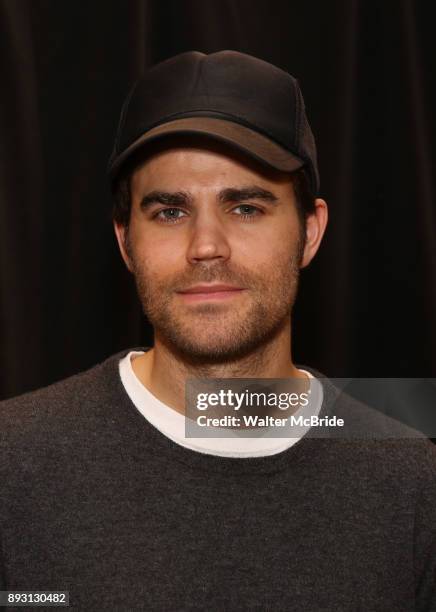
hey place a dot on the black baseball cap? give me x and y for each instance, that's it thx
(229, 96)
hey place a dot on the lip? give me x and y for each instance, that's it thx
(211, 288)
(210, 292)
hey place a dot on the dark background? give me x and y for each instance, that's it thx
(367, 303)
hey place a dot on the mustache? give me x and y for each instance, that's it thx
(210, 274)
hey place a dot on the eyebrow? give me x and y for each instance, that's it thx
(177, 198)
(230, 194)
(241, 194)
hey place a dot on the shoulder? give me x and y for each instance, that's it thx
(378, 446)
(388, 448)
(24, 419)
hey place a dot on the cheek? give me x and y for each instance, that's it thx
(158, 257)
(288, 237)
(271, 242)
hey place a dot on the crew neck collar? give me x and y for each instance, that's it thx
(227, 465)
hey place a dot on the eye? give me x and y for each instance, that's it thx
(168, 215)
(248, 210)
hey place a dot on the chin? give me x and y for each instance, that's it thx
(207, 348)
(211, 351)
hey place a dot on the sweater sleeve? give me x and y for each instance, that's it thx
(425, 549)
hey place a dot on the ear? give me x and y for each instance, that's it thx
(315, 228)
(121, 232)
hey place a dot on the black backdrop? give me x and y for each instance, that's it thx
(367, 303)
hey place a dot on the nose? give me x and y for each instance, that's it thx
(208, 240)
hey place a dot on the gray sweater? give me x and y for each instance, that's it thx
(96, 501)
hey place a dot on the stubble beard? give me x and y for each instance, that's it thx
(216, 333)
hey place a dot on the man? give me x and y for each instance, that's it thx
(105, 496)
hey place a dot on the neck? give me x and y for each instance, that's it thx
(164, 373)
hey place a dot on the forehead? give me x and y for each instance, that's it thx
(201, 162)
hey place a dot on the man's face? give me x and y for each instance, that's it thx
(201, 217)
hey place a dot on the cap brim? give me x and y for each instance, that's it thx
(244, 139)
